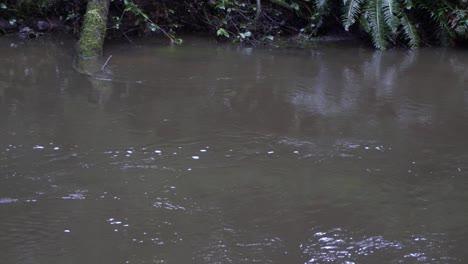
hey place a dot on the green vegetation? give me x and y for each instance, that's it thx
(384, 23)
(388, 21)
(31, 7)
(132, 8)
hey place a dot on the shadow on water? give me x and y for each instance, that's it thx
(222, 154)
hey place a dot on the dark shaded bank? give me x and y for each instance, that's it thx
(384, 24)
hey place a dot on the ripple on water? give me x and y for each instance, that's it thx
(339, 246)
(229, 245)
(175, 158)
(77, 195)
(7, 200)
(164, 203)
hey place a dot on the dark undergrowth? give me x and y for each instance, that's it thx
(383, 23)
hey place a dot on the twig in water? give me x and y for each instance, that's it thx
(105, 64)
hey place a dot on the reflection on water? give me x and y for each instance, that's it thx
(221, 154)
(337, 246)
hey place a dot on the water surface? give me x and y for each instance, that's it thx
(210, 153)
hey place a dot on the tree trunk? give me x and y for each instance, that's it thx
(93, 31)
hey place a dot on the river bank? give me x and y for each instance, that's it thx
(407, 24)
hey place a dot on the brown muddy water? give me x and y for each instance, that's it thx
(210, 153)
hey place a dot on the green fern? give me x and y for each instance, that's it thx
(322, 6)
(460, 21)
(387, 20)
(438, 12)
(410, 31)
(351, 11)
(317, 18)
(378, 27)
(391, 10)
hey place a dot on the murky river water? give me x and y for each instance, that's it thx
(218, 154)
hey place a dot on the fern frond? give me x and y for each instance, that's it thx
(438, 11)
(322, 6)
(410, 31)
(378, 27)
(391, 11)
(351, 10)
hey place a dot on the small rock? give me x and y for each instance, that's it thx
(27, 32)
(41, 26)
